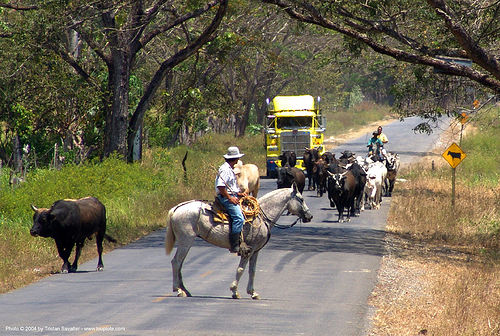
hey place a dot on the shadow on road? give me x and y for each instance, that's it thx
(344, 240)
(153, 240)
(300, 239)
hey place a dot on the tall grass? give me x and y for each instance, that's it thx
(475, 219)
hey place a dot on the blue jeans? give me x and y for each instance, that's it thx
(234, 212)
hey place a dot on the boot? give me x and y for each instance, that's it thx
(234, 242)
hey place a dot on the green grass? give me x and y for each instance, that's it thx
(482, 164)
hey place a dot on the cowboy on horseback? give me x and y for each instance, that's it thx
(228, 193)
(375, 147)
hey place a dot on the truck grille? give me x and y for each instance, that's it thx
(295, 141)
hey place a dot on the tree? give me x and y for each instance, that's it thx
(41, 99)
(416, 32)
(117, 33)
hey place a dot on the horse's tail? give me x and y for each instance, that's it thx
(169, 236)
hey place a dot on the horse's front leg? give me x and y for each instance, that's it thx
(251, 276)
(239, 273)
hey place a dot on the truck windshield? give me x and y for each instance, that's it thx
(294, 122)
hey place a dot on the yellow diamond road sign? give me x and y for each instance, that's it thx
(454, 155)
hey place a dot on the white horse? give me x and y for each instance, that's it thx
(190, 219)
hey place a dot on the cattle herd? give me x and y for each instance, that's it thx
(351, 182)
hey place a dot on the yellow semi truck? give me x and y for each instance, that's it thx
(293, 124)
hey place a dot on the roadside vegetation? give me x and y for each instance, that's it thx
(442, 273)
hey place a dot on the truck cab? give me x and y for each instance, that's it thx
(293, 124)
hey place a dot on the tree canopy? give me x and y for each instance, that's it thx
(95, 75)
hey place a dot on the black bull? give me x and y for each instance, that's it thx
(345, 190)
(69, 222)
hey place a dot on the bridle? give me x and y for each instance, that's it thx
(269, 222)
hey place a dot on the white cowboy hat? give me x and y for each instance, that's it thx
(233, 153)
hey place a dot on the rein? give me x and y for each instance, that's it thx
(279, 226)
(269, 222)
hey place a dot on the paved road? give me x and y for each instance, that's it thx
(314, 279)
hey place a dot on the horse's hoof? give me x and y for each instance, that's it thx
(255, 296)
(181, 293)
(100, 268)
(236, 295)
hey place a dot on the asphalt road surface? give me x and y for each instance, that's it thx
(314, 278)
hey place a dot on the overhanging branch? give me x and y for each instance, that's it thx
(309, 14)
(19, 7)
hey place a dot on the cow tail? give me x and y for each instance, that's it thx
(169, 236)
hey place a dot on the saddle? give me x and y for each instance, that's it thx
(249, 206)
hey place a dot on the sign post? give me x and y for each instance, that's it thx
(463, 119)
(454, 156)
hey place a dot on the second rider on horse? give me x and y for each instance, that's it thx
(375, 147)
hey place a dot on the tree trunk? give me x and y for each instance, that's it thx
(17, 154)
(115, 136)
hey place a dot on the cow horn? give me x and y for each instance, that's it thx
(330, 173)
(34, 208)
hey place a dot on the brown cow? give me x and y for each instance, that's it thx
(392, 165)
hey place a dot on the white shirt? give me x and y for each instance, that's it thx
(226, 178)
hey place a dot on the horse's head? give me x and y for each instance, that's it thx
(298, 206)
